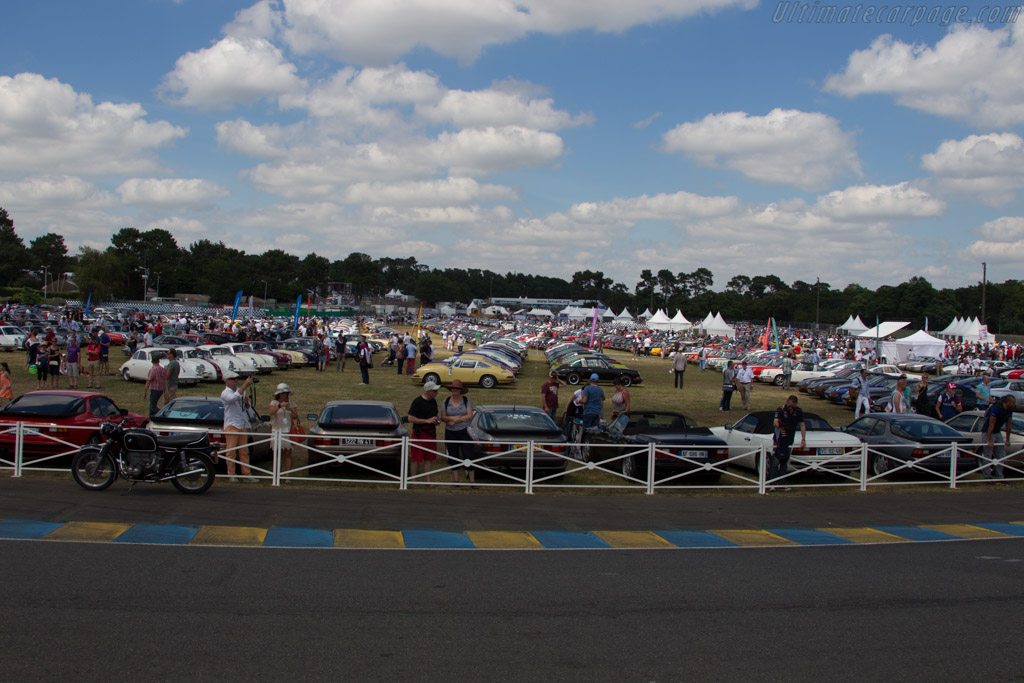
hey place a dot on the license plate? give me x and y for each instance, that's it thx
(358, 442)
(830, 451)
(693, 454)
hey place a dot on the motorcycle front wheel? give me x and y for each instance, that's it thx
(92, 469)
(193, 475)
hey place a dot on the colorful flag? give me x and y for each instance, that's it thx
(298, 309)
(234, 309)
(593, 327)
(88, 302)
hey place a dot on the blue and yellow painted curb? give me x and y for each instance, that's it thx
(292, 537)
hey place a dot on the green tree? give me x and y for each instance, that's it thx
(12, 251)
(101, 273)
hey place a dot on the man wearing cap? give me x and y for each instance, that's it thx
(424, 417)
(235, 424)
(173, 369)
(549, 394)
(592, 397)
(863, 393)
(948, 404)
(284, 418)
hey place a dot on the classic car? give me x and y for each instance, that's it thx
(497, 430)
(351, 428)
(680, 445)
(826, 446)
(243, 363)
(897, 439)
(488, 374)
(60, 421)
(195, 414)
(138, 366)
(580, 369)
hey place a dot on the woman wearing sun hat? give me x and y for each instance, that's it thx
(284, 418)
(456, 412)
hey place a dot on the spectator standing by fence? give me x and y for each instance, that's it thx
(456, 412)
(423, 415)
(728, 386)
(156, 382)
(679, 368)
(788, 418)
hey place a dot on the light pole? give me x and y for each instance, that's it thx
(264, 292)
(984, 286)
(817, 304)
(45, 270)
(158, 285)
(145, 285)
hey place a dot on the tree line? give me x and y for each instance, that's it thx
(136, 258)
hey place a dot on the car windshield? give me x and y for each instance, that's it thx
(658, 421)
(192, 410)
(46, 405)
(519, 421)
(359, 414)
(923, 429)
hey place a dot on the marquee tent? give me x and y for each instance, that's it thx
(542, 312)
(919, 344)
(625, 315)
(883, 330)
(853, 325)
(646, 315)
(659, 321)
(679, 322)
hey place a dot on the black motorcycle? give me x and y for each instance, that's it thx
(139, 455)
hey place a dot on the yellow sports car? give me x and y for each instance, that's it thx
(469, 370)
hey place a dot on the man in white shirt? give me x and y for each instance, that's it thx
(235, 424)
(745, 376)
(863, 393)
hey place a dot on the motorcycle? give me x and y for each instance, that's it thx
(139, 455)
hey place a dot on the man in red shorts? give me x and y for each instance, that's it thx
(423, 416)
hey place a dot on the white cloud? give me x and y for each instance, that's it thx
(1002, 242)
(492, 150)
(444, 192)
(45, 126)
(381, 31)
(267, 142)
(51, 191)
(784, 147)
(185, 230)
(988, 168)
(972, 74)
(639, 125)
(880, 202)
(171, 192)
(498, 107)
(232, 71)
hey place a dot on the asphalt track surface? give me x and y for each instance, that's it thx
(916, 611)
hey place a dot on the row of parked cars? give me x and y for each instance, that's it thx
(495, 362)
(574, 363)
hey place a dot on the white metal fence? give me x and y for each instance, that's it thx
(536, 465)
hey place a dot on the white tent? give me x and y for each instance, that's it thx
(659, 321)
(495, 310)
(853, 325)
(608, 314)
(951, 329)
(646, 315)
(709, 321)
(625, 315)
(447, 310)
(679, 322)
(973, 331)
(716, 326)
(919, 344)
(542, 312)
(577, 313)
(567, 311)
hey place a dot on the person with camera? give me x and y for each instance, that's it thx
(235, 426)
(284, 418)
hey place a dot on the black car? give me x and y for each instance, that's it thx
(496, 431)
(680, 445)
(580, 369)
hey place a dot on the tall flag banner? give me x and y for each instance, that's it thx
(593, 327)
(88, 301)
(767, 331)
(926, 323)
(775, 329)
(298, 309)
(234, 309)
(419, 315)
(250, 304)
(878, 343)
(309, 306)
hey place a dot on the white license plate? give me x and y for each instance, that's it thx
(358, 442)
(693, 454)
(830, 451)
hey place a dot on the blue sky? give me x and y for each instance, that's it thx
(536, 136)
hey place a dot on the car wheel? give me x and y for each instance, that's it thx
(880, 465)
(431, 377)
(488, 382)
(629, 467)
(779, 380)
(625, 380)
(126, 375)
(573, 378)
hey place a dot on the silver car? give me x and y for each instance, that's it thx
(195, 414)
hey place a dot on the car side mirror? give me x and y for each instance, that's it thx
(729, 427)
(124, 412)
(312, 416)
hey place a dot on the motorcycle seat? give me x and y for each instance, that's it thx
(184, 441)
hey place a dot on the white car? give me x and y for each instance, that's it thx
(221, 367)
(138, 366)
(11, 338)
(245, 363)
(801, 371)
(894, 371)
(830, 448)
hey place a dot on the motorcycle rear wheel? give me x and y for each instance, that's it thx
(201, 477)
(93, 470)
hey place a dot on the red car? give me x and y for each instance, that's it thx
(58, 422)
